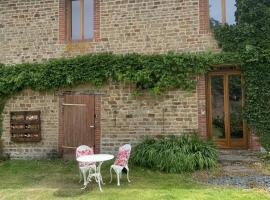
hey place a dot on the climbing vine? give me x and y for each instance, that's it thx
(250, 39)
(155, 73)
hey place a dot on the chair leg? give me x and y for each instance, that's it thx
(118, 178)
(85, 182)
(128, 176)
(81, 176)
(111, 174)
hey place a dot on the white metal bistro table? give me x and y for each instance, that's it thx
(99, 159)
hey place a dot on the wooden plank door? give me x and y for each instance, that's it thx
(225, 103)
(78, 122)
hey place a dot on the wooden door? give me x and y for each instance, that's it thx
(225, 105)
(78, 122)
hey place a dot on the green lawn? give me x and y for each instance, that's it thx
(59, 180)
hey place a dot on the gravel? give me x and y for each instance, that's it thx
(243, 181)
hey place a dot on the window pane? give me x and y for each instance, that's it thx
(88, 19)
(235, 105)
(217, 100)
(75, 9)
(230, 11)
(215, 10)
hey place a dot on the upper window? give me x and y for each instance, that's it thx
(80, 19)
(222, 11)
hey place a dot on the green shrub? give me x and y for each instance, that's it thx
(175, 154)
(1, 150)
(3, 156)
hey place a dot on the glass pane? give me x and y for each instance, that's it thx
(215, 11)
(230, 11)
(88, 19)
(76, 27)
(235, 106)
(217, 100)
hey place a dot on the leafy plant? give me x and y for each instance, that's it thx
(256, 72)
(1, 148)
(252, 27)
(250, 39)
(2, 155)
(156, 72)
(175, 154)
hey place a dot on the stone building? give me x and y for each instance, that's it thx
(106, 117)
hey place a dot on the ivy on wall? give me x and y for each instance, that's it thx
(256, 72)
(156, 72)
(250, 39)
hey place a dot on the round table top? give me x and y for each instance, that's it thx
(95, 158)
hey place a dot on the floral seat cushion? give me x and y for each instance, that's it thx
(85, 152)
(122, 157)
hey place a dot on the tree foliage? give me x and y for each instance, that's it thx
(250, 38)
(252, 27)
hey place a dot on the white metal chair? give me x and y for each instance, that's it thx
(121, 163)
(84, 167)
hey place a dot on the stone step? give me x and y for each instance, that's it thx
(227, 157)
(238, 152)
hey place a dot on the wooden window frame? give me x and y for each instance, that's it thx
(68, 25)
(223, 12)
(227, 142)
(19, 128)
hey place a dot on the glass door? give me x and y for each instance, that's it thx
(225, 103)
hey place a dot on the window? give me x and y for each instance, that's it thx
(80, 19)
(222, 11)
(25, 126)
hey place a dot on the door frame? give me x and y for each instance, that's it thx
(97, 110)
(227, 142)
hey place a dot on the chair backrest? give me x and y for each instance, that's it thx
(123, 155)
(84, 150)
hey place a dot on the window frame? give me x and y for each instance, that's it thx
(68, 5)
(223, 12)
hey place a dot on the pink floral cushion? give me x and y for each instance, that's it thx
(85, 152)
(122, 157)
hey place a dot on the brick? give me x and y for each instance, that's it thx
(138, 26)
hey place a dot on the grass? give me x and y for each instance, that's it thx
(59, 180)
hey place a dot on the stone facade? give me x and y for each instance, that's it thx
(33, 30)
(124, 118)
(28, 100)
(127, 119)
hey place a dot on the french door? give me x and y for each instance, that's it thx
(226, 126)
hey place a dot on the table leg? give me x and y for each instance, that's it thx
(99, 177)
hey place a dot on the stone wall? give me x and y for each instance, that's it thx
(128, 119)
(28, 100)
(34, 30)
(30, 30)
(124, 118)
